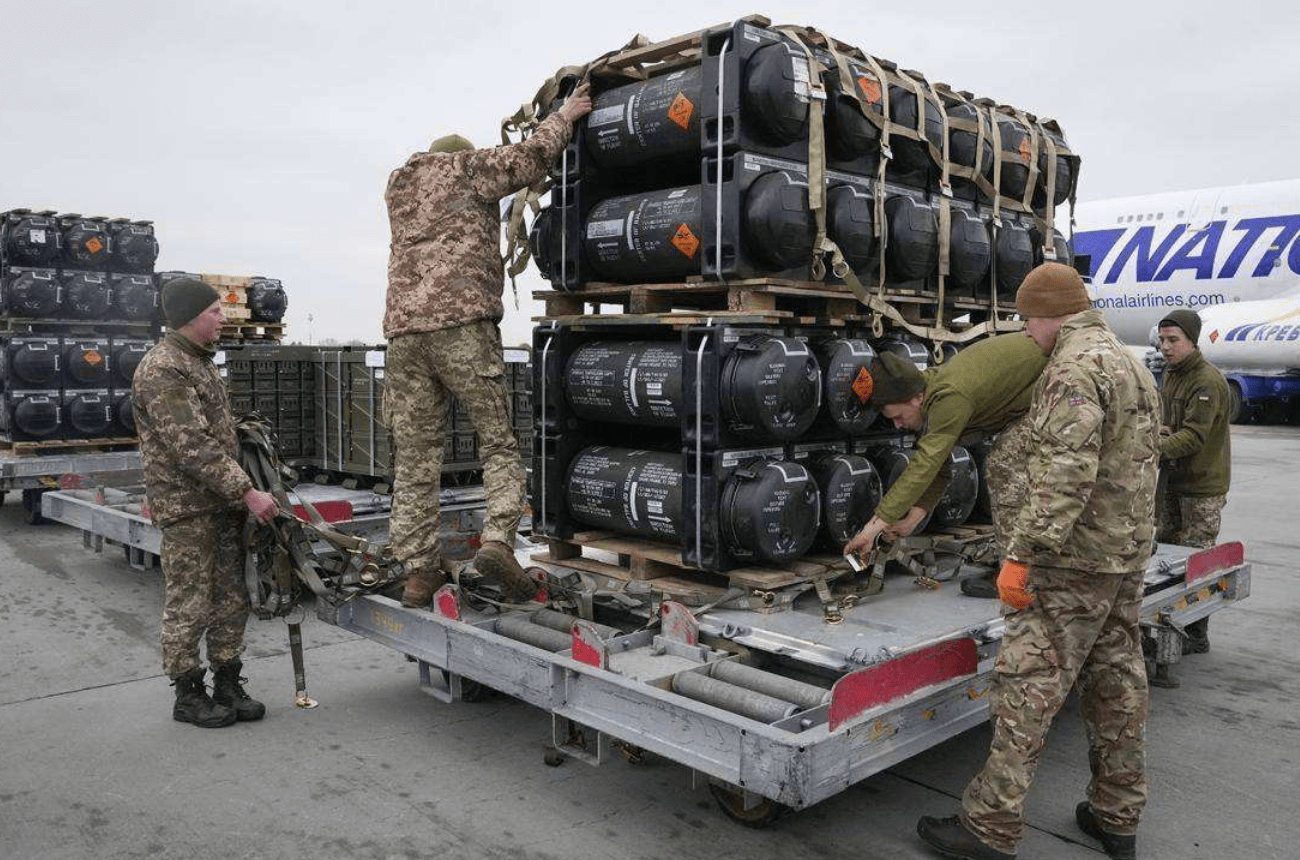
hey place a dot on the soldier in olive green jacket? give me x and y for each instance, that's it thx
(1195, 452)
(984, 389)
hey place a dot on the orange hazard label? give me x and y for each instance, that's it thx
(863, 385)
(870, 89)
(232, 298)
(680, 111)
(94, 246)
(1024, 149)
(1214, 336)
(684, 240)
(92, 358)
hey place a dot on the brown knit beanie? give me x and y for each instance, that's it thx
(1185, 319)
(895, 380)
(185, 298)
(1052, 290)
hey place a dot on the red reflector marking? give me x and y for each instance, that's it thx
(875, 685)
(1214, 560)
(588, 647)
(446, 604)
(331, 512)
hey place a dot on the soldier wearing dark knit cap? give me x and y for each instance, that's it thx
(199, 498)
(1195, 452)
(1072, 581)
(981, 391)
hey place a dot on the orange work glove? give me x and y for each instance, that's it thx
(1012, 580)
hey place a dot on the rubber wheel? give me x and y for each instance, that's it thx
(1236, 406)
(733, 805)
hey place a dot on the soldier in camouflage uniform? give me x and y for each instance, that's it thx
(1072, 582)
(983, 389)
(199, 497)
(1194, 447)
(445, 281)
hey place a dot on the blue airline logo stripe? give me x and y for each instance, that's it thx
(1197, 251)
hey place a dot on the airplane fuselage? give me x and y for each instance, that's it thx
(1195, 249)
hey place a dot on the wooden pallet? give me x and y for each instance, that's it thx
(67, 446)
(639, 560)
(251, 331)
(788, 301)
(48, 326)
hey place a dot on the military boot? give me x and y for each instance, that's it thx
(1198, 637)
(950, 838)
(984, 585)
(194, 705)
(228, 690)
(421, 583)
(497, 562)
(1117, 846)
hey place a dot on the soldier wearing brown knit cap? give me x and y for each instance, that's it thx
(1072, 581)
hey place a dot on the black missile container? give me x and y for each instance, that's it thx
(134, 247)
(846, 384)
(125, 355)
(86, 295)
(123, 413)
(85, 243)
(85, 363)
(29, 239)
(30, 293)
(32, 363)
(30, 416)
(850, 489)
(959, 496)
(135, 297)
(267, 301)
(87, 414)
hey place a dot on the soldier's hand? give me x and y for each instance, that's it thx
(577, 105)
(262, 506)
(908, 523)
(864, 540)
(1013, 580)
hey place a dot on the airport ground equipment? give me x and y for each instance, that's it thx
(775, 698)
(35, 476)
(772, 709)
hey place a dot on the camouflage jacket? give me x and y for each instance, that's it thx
(187, 433)
(1195, 399)
(981, 389)
(444, 262)
(1095, 448)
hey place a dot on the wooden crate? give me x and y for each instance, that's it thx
(67, 446)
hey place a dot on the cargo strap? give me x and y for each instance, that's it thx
(823, 245)
(280, 554)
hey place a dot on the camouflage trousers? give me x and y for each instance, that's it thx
(423, 371)
(1191, 520)
(1008, 479)
(1081, 626)
(203, 590)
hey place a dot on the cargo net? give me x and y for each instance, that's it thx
(299, 551)
(903, 184)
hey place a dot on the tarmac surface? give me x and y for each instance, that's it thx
(93, 766)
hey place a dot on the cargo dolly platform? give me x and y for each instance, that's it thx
(773, 710)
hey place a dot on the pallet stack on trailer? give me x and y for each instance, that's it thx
(768, 209)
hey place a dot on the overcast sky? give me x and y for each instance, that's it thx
(259, 135)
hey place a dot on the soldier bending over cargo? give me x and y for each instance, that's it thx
(983, 389)
(1195, 450)
(445, 281)
(1072, 582)
(199, 497)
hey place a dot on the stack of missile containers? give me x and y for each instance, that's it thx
(79, 303)
(755, 443)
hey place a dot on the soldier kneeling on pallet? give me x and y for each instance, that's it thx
(445, 280)
(200, 498)
(984, 389)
